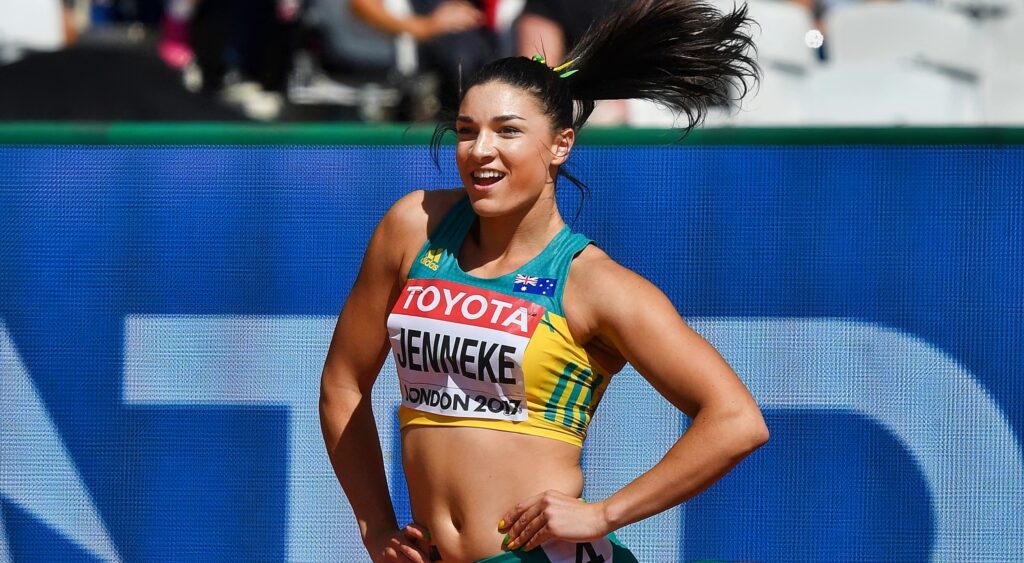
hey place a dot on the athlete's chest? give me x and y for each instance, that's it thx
(458, 346)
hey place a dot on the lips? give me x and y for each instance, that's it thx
(487, 177)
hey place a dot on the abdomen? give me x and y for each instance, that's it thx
(462, 481)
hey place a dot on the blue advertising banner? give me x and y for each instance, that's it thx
(165, 313)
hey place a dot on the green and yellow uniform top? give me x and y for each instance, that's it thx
(492, 352)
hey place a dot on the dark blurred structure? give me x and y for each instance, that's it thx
(247, 35)
(102, 83)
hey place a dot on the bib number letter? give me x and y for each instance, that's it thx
(587, 548)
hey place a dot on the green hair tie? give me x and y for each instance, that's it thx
(540, 59)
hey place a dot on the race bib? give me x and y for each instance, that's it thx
(598, 551)
(459, 349)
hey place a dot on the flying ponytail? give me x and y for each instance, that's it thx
(684, 54)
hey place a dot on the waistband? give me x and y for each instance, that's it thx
(620, 554)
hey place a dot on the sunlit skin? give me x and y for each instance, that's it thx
(470, 486)
(503, 128)
(462, 481)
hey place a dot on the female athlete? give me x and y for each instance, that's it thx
(506, 326)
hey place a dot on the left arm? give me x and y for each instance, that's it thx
(630, 314)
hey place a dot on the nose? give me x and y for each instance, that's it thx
(483, 146)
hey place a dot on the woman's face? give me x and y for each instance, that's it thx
(507, 153)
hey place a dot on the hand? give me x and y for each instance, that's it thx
(453, 16)
(553, 515)
(408, 545)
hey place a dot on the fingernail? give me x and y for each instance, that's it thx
(504, 542)
(501, 525)
(426, 535)
(512, 544)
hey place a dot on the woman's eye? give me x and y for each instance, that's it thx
(509, 130)
(463, 131)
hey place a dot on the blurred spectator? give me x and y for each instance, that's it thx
(433, 19)
(453, 40)
(552, 27)
(347, 44)
(253, 41)
(347, 69)
(174, 48)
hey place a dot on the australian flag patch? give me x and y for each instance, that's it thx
(535, 285)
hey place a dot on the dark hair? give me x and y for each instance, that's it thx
(683, 54)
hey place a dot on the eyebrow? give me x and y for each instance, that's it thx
(506, 117)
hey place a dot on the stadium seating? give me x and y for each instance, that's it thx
(1007, 40)
(785, 61)
(985, 8)
(888, 93)
(932, 35)
(1003, 81)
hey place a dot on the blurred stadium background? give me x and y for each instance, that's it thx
(949, 62)
(187, 187)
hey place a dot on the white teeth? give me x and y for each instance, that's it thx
(488, 174)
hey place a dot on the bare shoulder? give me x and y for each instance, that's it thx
(595, 276)
(420, 211)
(599, 288)
(412, 218)
(591, 261)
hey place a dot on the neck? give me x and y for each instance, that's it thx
(517, 236)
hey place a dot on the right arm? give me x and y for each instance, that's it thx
(356, 353)
(450, 17)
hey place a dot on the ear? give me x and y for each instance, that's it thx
(563, 146)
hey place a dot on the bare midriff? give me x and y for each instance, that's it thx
(462, 481)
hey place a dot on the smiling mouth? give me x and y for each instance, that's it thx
(487, 177)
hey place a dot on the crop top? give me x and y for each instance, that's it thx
(492, 352)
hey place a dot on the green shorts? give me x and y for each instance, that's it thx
(605, 550)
